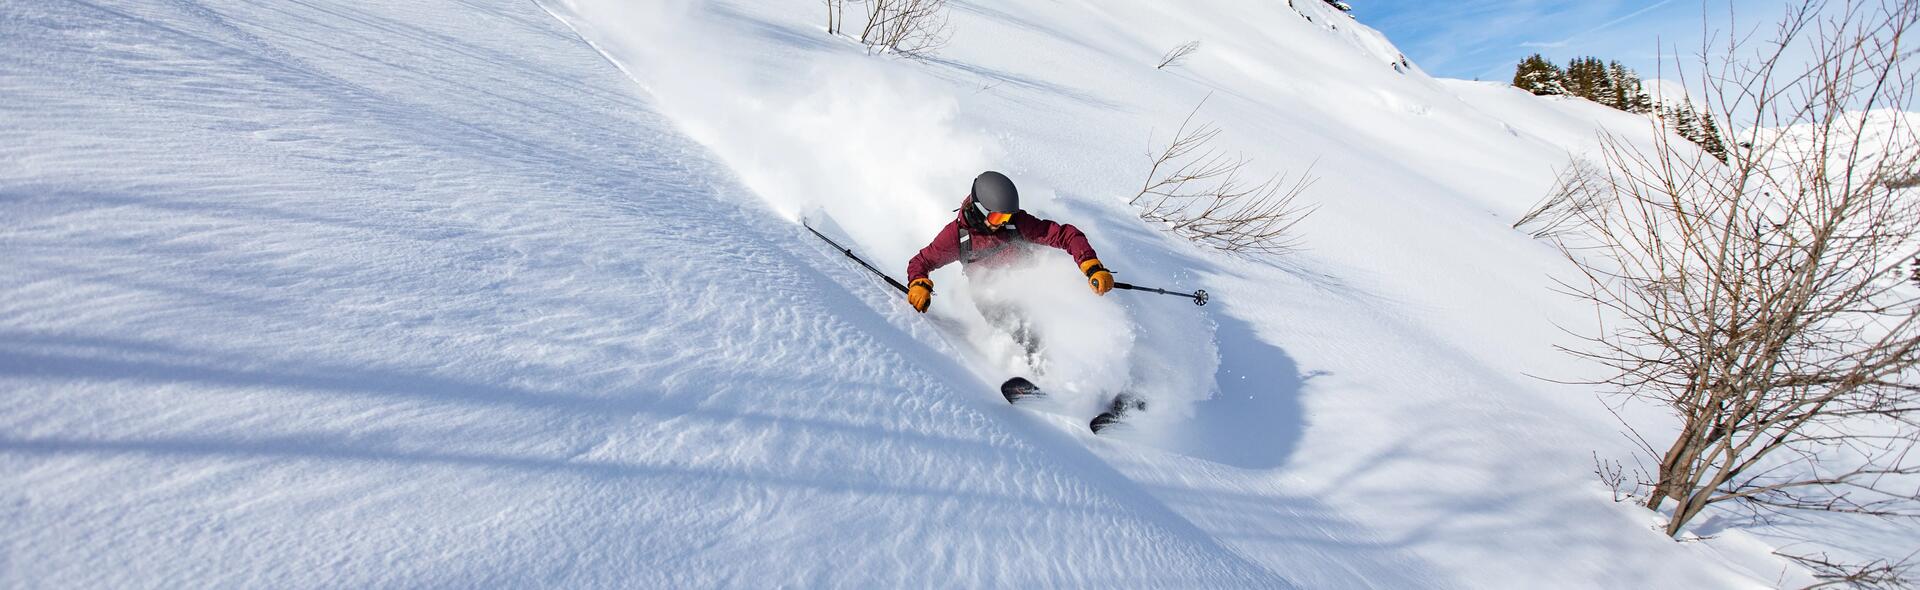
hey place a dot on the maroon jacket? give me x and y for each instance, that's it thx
(999, 246)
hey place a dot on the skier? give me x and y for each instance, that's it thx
(990, 231)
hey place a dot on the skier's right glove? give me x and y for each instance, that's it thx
(919, 294)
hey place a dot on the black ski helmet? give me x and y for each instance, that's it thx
(996, 192)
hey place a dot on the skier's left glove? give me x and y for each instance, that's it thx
(1098, 278)
(920, 294)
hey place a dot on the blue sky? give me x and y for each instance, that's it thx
(1485, 38)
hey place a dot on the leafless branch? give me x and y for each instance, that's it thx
(1200, 193)
(1879, 573)
(909, 28)
(1176, 54)
(1614, 476)
(1759, 298)
(1579, 190)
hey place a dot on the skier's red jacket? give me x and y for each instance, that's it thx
(1000, 246)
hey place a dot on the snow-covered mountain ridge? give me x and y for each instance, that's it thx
(452, 293)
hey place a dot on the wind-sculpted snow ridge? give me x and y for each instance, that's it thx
(304, 294)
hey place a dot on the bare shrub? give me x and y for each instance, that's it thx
(1875, 574)
(1748, 297)
(910, 28)
(1578, 191)
(1200, 193)
(1173, 56)
(1614, 475)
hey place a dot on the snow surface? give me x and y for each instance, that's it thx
(454, 293)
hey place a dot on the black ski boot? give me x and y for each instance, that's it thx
(1019, 388)
(1123, 404)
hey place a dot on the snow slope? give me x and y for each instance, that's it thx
(453, 293)
(422, 294)
(1387, 366)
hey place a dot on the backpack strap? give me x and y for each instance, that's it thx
(966, 243)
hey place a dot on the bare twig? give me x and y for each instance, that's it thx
(1580, 189)
(1175, 55)
(1879, 573)
(909, 28)
(1614, 475)
(1199, 193)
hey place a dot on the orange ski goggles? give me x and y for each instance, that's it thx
(997, 219)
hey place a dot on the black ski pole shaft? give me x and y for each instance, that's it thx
(1199, 297)
(856, 258)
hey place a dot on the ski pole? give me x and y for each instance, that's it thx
(1199, 297)
(850, 254)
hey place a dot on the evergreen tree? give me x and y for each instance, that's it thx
(1587, 78)
(1579, 78)
(1685, 122)
(1607, 83)
(1697, 127)
(1613, 85)
(1627, 93)
(1537, 75)
(1710, 138)
(1606, 88)
(1642, 102)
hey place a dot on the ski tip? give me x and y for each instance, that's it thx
(1019, 388)
(1117, 411)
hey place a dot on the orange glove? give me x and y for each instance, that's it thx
(920, 294)
(1098, 278)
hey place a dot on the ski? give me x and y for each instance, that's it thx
(1019, 389)
(1123, 404)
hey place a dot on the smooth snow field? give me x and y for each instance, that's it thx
(465, 293)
